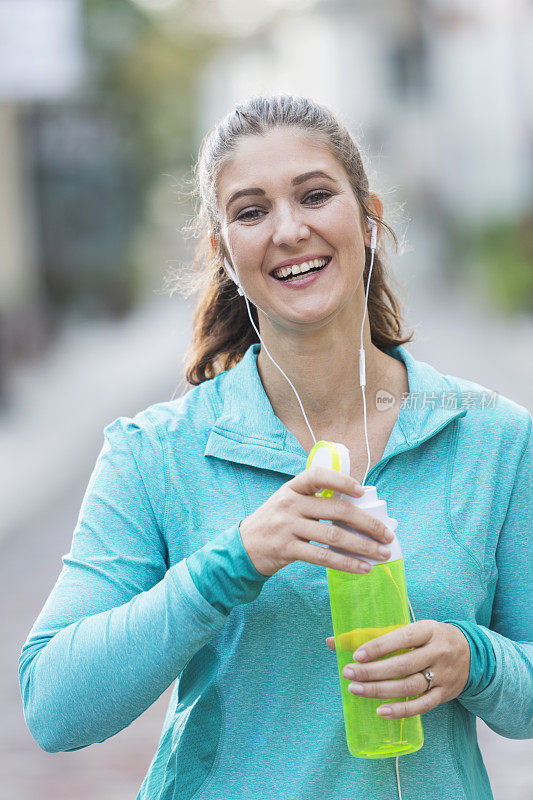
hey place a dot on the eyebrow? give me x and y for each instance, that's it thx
(317, 173)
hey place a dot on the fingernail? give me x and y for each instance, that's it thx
(348, 673)
(384, 551)
(385, 711)
(360, 655)
(355, 688)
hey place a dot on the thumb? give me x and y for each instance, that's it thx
(330, 641)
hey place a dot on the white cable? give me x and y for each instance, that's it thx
(314, 439)
(398, 779)
(366, 438)
(362, 369)
(362, 382)
(278, 366)
(397, 757)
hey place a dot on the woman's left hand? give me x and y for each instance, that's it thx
(437, 646)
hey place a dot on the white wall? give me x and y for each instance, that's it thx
(473, 132)
(40, 48)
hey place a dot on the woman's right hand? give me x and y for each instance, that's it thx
(280, 531)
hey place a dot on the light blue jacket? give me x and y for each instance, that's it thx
(158, 586)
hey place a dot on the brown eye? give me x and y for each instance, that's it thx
(245, 216)
(316, 197)
(320, 194)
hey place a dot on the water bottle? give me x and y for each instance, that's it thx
(363, 607)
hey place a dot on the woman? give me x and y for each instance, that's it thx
(193, 557)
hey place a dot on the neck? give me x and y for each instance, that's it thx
(323, 365)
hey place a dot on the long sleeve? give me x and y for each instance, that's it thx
(482, 656)
(500, 684)
(223, 572)
(118, 626)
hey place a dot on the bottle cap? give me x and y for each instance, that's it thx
(337, 456)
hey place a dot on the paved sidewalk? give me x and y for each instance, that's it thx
(94, 373)
(30, 561)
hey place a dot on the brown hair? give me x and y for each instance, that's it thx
(222, 331)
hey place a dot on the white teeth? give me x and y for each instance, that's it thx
(296, 269)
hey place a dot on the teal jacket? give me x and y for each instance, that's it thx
(158, 586)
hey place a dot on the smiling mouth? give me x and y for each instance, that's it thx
(292, 276)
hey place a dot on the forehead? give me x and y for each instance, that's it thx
(276, 157)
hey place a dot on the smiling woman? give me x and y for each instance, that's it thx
(262, 164)
(200, 549)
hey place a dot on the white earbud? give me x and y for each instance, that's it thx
(374, 232)
(233, 276)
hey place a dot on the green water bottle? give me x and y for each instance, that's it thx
(363, 607)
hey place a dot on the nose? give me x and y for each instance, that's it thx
(289, 227)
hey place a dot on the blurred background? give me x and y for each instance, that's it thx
(102, 109)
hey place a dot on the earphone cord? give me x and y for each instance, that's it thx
(362, 371)
(362, 382)
(278, 366)
(397, 757)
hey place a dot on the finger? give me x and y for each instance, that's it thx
(393, 667)
(410, 708)
(330, 641)
(414, 634)
(339, 509)
(325, 557)
(334, 536)
(405, 687)
(317, 479)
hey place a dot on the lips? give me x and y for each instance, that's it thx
(301, 260)
(300, 280)
(289, 276)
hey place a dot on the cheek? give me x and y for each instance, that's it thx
(340, 227)
(248, 247)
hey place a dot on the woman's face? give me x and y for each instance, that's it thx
(276, 208)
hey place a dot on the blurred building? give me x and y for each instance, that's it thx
(433, 92)
(437, 85)
(41, 60)
(69, 193)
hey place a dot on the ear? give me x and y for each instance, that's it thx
(218, 251)
(375, 209)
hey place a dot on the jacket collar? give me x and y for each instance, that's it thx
(246, 430)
